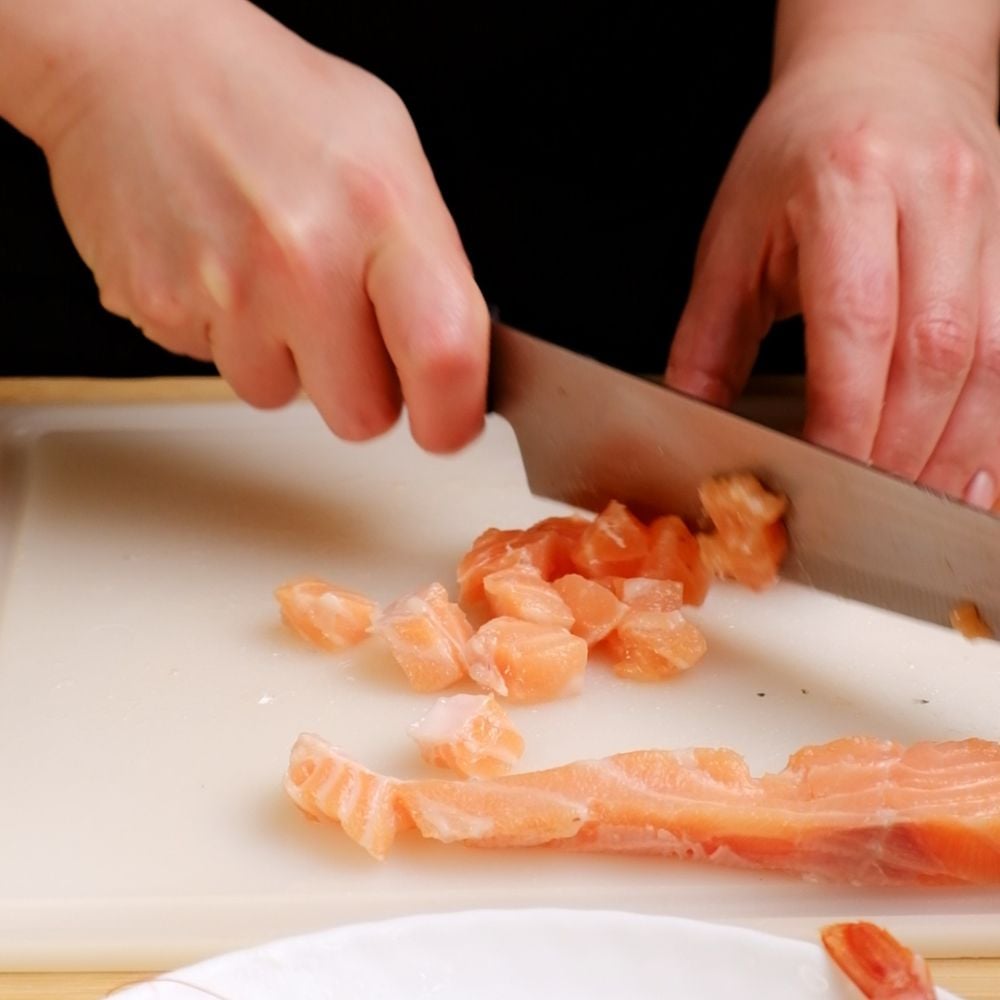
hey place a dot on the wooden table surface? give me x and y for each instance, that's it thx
(971, 978)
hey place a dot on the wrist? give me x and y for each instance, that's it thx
(60, 57)
(960, 40)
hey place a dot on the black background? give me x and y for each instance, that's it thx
(578, 147)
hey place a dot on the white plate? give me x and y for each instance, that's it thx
(543, 954)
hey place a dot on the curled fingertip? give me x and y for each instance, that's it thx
(369, 418)
(446, 438)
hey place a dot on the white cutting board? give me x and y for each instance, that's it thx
(149, 697)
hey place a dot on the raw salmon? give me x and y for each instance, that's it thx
(750, 540)
(639, 593)
(856, 810)
(493, 550)
(526, 661)
(595, 608)
(326, 784)
(653, 645)
(427, 634)
(675, 554)
(965, 617)
(522, 592)
(615, 543)
(324, 614)
(469, 733)
(879, 965)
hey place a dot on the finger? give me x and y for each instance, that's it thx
(940, 249)
(726, 316)
(966, 461)
(848, 276)
(435, 324)
(343, 365)
(260, 370)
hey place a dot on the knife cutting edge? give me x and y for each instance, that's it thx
(589, 433)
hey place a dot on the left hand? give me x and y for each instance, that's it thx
(865, 194)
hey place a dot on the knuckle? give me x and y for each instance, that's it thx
(941, 345)
(864, 310)
(961, 170)
(388, 105)
(371, 196)
(857, 153)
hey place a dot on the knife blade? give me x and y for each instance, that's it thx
(589, 433)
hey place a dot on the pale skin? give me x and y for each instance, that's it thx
(865, 194)
(293, 233)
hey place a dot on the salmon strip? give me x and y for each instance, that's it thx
(327, 785)
(858, 810)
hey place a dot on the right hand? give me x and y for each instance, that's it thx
(245, 198)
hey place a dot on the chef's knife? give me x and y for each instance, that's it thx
(589, 433)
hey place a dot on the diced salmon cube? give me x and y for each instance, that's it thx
(595, 608)
(640, 593)
(526, 661)
(520, 592)
(615, 543)
(750, 540)
(324, 614)
(496, 550)
(653, 645)
(470, 734)
(427, 635)
(674, 554)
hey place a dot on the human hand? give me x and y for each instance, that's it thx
(866, 195)
(245, 198)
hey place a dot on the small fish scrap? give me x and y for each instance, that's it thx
(879, 965)
(965, 617)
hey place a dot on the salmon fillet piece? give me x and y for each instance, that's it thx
(858, 810)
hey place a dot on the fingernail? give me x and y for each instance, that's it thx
(981, 491)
